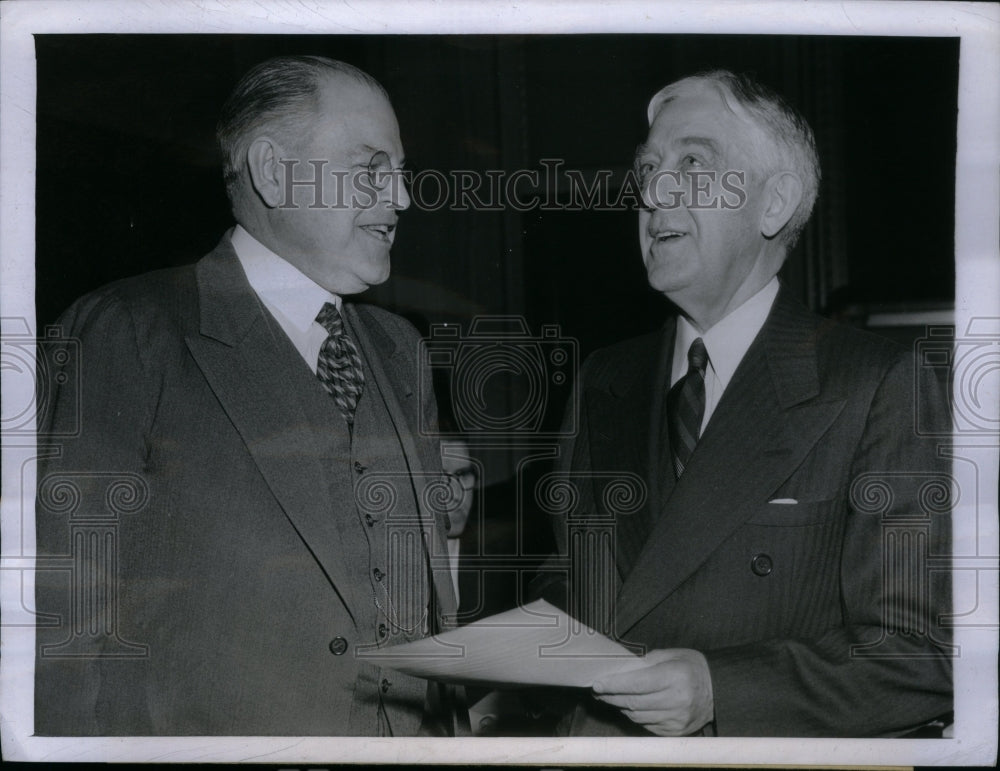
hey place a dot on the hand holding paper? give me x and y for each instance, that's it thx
(536, 644)
(670, 696)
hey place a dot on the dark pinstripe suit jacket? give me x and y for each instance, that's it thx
(817, 617)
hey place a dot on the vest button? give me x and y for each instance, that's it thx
(338, 646)
(385, 685)
(762, 565)
(378, 574)
(382, 631)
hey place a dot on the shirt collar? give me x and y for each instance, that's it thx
(279, 283)
(728, 341)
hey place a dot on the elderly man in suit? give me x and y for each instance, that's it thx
(783, 575)
(261, 445)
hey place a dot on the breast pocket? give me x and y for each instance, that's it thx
(782, 512)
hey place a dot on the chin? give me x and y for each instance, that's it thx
(662, 279)
(372, 272)
(379, 276)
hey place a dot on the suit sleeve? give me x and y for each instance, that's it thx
(91, 438)
(888, 666)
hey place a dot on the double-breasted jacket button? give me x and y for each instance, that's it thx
(378, 574)
(762, 564)
(338, 646)
(385, 685)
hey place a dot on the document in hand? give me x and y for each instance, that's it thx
(536, 644)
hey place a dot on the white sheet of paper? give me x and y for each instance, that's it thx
(535, 644)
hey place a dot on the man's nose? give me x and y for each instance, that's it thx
(663, 189)
(395, 193)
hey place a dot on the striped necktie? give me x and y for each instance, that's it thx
(686, 407)
(339, 366)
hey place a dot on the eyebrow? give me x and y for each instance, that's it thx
(709, 144)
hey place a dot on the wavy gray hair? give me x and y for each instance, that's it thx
(791, 144)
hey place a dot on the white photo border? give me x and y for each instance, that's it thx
(977, 297)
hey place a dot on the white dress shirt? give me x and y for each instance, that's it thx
(726, 344)
(290, 295)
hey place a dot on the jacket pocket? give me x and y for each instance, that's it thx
(794, 514)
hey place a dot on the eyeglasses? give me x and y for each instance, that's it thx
(378, 171)
(465, 478)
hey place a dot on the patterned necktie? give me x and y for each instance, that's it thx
(686, 407)
(339, 366)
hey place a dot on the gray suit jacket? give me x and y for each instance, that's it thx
(805, 549)
(213, 458)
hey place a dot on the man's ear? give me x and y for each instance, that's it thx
(266, 173)
(783, 192)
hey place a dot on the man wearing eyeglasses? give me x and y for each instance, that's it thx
(269, 432)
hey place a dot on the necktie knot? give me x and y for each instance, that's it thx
(698, 356)
(330, 319)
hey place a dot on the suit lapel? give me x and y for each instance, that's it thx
(383, 358)
(246, 360)
(765, 423)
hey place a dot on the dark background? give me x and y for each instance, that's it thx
(129, 179)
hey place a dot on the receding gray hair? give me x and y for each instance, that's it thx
(280, 93)
(792, 145)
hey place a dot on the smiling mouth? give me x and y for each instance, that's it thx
(664, 236)
(383, 232)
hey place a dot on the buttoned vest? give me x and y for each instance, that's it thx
(381, 542)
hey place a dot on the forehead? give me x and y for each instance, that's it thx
(700, 110)
(351, 114)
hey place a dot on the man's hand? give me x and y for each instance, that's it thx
(670, 696)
